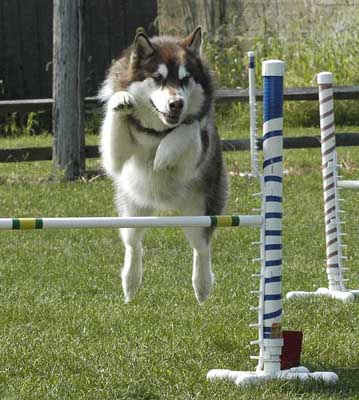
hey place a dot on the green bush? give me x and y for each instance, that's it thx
(15, 124)
(329, 46)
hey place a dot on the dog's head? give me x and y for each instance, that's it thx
(168, 79)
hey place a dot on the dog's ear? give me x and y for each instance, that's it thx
(142, 47)
(193, 42)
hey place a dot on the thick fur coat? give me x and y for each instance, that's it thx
(160, 147)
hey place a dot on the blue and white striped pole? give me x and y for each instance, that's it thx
(270, 291)
(271, 297)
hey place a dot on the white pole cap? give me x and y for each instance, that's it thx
(250, 53)
(324, 78)
(273, 68)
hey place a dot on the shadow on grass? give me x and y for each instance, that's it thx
(223, 345)
(141, 394)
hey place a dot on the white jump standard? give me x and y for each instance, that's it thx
(332, 212)
(269, 309)
(253, 114)
(252, 118)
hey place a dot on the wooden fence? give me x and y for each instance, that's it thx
(221, 95)
(26, 42)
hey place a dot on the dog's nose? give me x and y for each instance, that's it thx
(175, 105)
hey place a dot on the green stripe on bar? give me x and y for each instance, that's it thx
(213, 221)
(15, 223)
(225, 220)
(39, 224)
(235, 220)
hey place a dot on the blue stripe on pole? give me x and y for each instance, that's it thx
(273, 233)
(267, 332)
(273, 247)
(272, 134)
(274, 314)
(273, 279)
(273, 263)
(277, 199)
(272, 297)
(272, 97)
(272, 178)
(271, 161)
(273, 215)
(251, 62)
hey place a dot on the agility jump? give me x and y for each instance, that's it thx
(332, 212)
(269, 309)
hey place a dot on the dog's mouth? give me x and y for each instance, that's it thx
(167, 118)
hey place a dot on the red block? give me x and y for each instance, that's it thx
(291, 349)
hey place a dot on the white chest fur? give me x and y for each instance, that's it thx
(158, 173)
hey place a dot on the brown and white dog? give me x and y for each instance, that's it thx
(159, 147)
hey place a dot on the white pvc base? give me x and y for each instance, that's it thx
(241, 378)
(346, 297)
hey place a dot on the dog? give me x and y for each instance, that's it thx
(160, 147)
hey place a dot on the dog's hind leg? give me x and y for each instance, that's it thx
(202, 276)
(132, 270)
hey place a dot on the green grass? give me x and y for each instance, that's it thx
(66, 333)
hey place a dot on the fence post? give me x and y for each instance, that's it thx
(68, 88)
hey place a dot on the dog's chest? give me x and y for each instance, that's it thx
(159, 189)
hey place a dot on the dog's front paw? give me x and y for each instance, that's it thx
(166, 155)
(123, 102)
(163, 161)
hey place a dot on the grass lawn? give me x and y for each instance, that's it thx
(67, 334)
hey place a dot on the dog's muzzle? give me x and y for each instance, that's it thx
(175, 107)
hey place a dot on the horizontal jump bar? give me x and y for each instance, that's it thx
(348, 184)
(130, 222)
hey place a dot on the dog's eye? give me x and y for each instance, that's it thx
(158, 78)
(185, 80)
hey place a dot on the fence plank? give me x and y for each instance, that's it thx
(13, 77)
(44, 24)
(303, 93)
(98, 54)
(301, 142)
(27, 20)
(221, 96)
